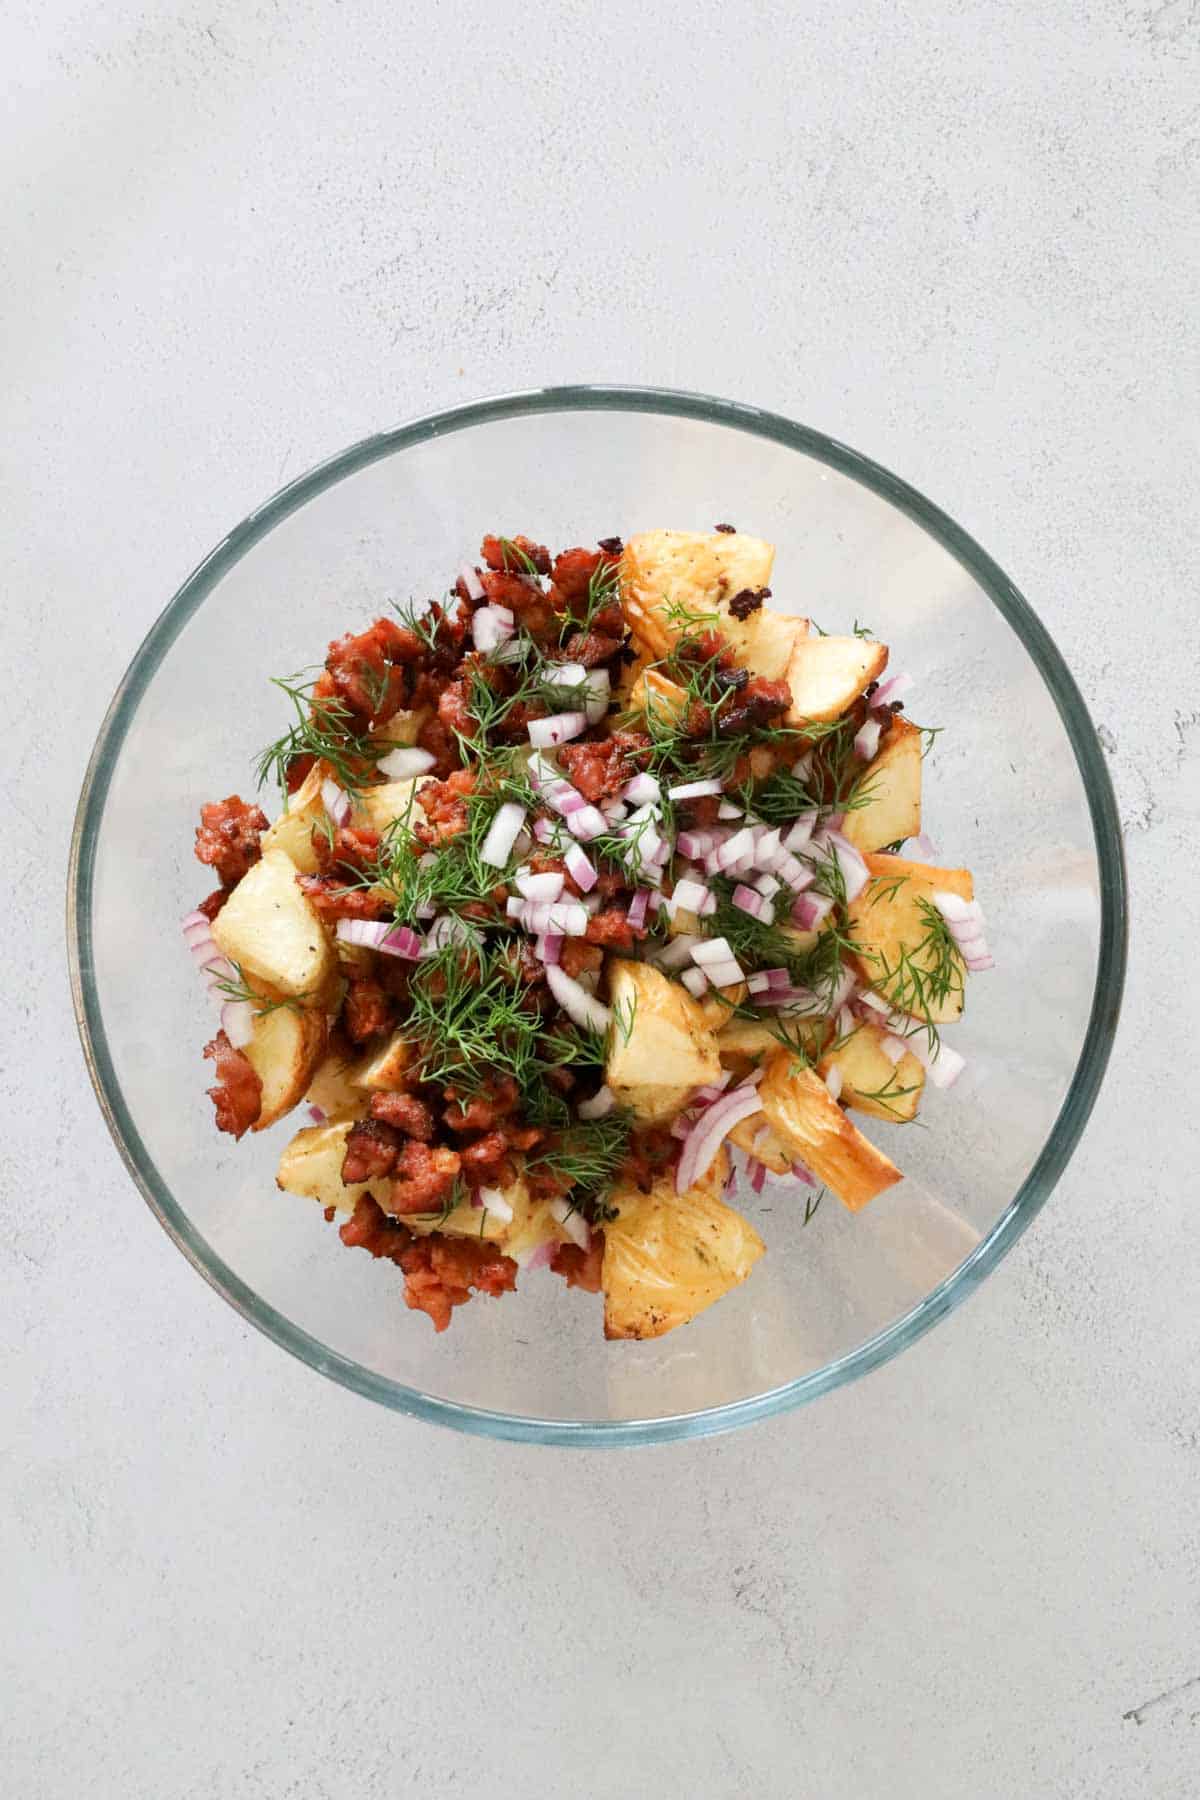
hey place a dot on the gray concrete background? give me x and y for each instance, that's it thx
(962, 237)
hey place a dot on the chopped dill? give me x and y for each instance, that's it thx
(324, 728)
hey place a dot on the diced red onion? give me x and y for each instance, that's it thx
(447, 930)
(754, 904)
(591, 903)
(704, 1140)
(237, 1022)
(866, 739)
(803, 1174)
(681, 1124)
(567, 917)
(710, 950)
(371, 934)
(793, 872)
(581, 870)
(811, 910)
(636, 912)
(694, 843)
(514, 907)
(545, 831)
(845, 1023)
(642, 790)
(576, 1002)
(893, 1047)
(894, 688)
(724, 974)
(572, 1222)
(977, 964)
(692, 896)
(540, 887)
(547, 946)
(406, 763)
(493, 1201)
(712, 1090)
(923, 848)
(586, 822)
(335, 802)
(502, 834)
(317, 1114)
(675, 954)
(694, 790)
(598, 687)
(942, 1066)
(614, 811)
(599, 1106)
(564, 675)
(800, 831)
(538, 1257)
(768, 886)
(727, 810)
(758, 1174)
(696, 982)
(472, 586)
(844, 988)
(833, 1081)
(738, 844)
(763, 980)
(559, 728)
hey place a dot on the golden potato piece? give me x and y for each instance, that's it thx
(890, 923)
(293, 829)
(758, 1140)
(871, 1082)
(668, 575)
(750, 1040)
(667, 1256)
(660, 699)
(392, 800)
(288, 1043)
(827, 674)
(311, 1165)
(402, 729)
(331, 1087)
(386, 1068)
(813, 1128)
(668, 1051)
(893, 778)
(268, 928)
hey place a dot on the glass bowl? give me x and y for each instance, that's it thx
(1016, 789)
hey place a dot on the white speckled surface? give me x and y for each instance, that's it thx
(961, 237)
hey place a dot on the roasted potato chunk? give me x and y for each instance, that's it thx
(331, 1087)
(311, 1165)
(871, 1081)
(381, 806)
(386, 1068)
(891, 923)
(758, 1140)
(893, 810)
(666, 575)
(293, 829)
(288, 1043)
(827, 674)
(667, 1256)
(813, 1128)
(660, 699)
(268, 927)
(668, 1051)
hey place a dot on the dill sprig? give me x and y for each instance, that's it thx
(323, 728)
(239, 989)
(922, 976)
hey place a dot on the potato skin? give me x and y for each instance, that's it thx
(811, 1125)
(285, 1051)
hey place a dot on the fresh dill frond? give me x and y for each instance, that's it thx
(923, 976)
(324, 728)
(239, 989)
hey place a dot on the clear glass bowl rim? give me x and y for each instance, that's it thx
(1081, 1094)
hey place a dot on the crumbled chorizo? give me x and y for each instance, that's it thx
(591, 648)
(599, 770)
(227, 837)
(651, 1150)
(524, 598)
(611, 928)
(350, 847)
(212, 903)
(581, 1268)
(371, 1229)
(441, 1271)
(368, 1010)
(333, 901)
(485, 1163)
(371, 1151)
(759, 702)
(368, 668)
(424, 1178)
(237, 1095)
(442, 745)
(578, 957)
(406, 1113)
(481, 1111)
(515, 553)
(444, 804)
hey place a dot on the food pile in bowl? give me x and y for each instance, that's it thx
(587, 907)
